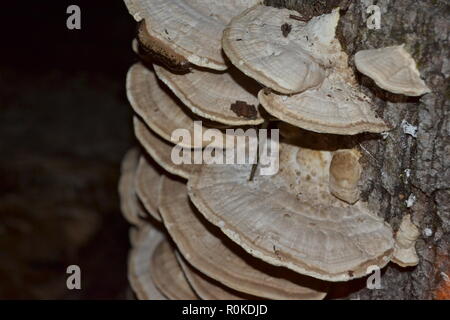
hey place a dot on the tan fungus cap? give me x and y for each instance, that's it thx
(191, 29)
(291, 219)
(209, 251)
(393, 69)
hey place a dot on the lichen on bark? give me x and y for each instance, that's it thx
(400, 165)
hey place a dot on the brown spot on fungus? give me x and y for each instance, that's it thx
(286, 29)
(243, 109)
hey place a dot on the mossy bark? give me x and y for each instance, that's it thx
(399, 166)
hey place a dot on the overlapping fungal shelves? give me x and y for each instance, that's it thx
(227, 231)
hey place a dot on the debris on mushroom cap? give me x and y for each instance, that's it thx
(209, 251)
(393, 69)
(291, 219)
(129, 203)
(345, 171)
(211, 94)
(147, 183)
(168, 275)
(160, 150)
(335, 106)
(405, 240)
(146, 240)
(286, 62)
(156, 105)
(190, 28)
(207, 288)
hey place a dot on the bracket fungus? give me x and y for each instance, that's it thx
(254, 43)
(129, 203)
(345, 171)
(335, 107)
(237, 232)
(291, 219)
(207, 288)
(168, 275)
(392, 69)
(147, 183)
(146, 240)
(160, 150)
(315, 88)
(211, 94)
(189, 29)
(156, 105)
(151, 48)
(200, 245)
(405, 240)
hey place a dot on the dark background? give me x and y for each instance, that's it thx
(65, 124)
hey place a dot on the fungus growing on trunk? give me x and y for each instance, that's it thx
(210, 94)
(291, 219)
(130, 206)
(393, 69)
(207, 288)
(335, 106)
(147, 183)
(156, 105)
(160, 150)
(168, 275)
(264, 54)
(308, 66)
(145, 241)
(405, 240)
(204, 247)
(239, 233)
(187, 29)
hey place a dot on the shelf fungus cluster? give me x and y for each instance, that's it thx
(227, 231)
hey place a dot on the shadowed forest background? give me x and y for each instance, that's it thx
(64, 127)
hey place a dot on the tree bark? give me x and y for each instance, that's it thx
(400, 166)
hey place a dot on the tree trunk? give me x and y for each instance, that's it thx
(401, 166)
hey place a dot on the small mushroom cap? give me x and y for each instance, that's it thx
(207, 288)
(208, 250)
(288, 63)
(147, 183)
(393, 69)
(130, 206)
(334, 107)
(156, 105)
(160, 150)
(212, 94)
(168, 275)
(345, 171)
(190, 28)
(405, 254)
(146, 240)
(290, 219)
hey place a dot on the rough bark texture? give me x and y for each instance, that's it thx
(424, 27)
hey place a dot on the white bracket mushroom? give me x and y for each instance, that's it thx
(393, 69)
(306, 64)
(405, 239)
(188, 30)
